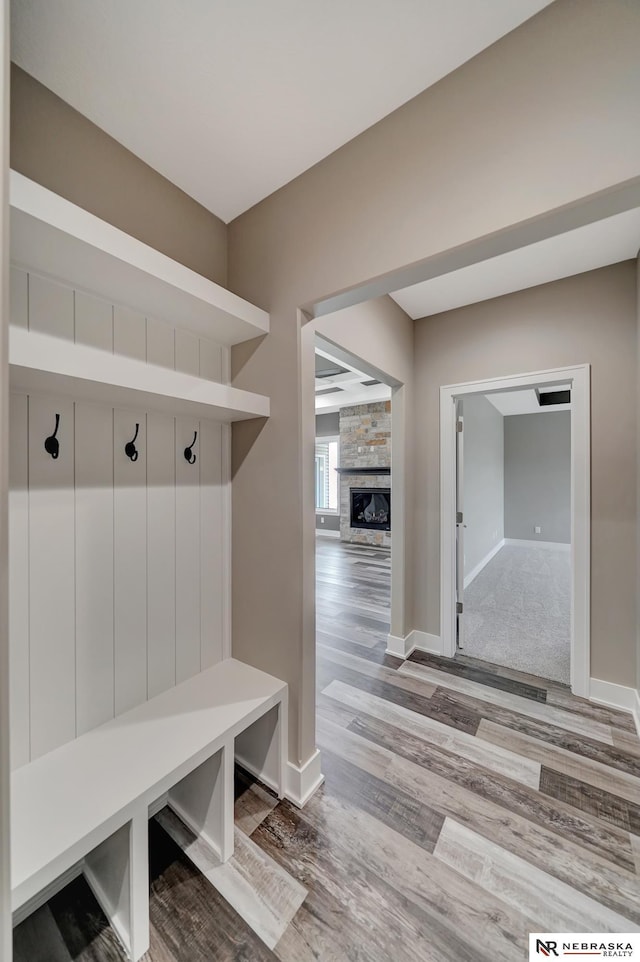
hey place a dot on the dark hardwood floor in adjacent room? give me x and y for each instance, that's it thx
(464, 806)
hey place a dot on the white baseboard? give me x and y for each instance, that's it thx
(554, 545)
(485, 561)
(303, 781)
(424, 641)
(616, 696)
(420, 640)
(398, 646)
(326, 533)
(300, 781)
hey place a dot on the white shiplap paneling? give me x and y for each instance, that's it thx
(50, 307)
(94, 321)
(130, 561)
(210, 360)
(51, 577)
(187, 352)
(129, 333)
(19, 578)
(94, 565)
(19, 298)
(187, 550)
(160, 343)
(161, 550)
(211, 534)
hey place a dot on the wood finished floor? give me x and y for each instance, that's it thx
(464, 806)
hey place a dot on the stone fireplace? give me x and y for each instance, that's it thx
(365, 474)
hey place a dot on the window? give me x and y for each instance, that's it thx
(326, 474)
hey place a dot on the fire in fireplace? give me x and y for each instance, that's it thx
(371, 508)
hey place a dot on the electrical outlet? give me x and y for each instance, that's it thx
(538, 529)
(321, 520)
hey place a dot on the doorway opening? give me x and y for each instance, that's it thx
(515, 523)
(353, 514)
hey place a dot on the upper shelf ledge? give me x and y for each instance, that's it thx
(51, 236)
(39, 362)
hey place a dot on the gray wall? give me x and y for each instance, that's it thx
(483, 480)
(331, 522)
(328, 425)
(537, 476)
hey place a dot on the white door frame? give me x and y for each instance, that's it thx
(579, 378)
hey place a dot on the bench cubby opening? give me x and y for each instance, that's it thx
(117, 871)
(203, 799)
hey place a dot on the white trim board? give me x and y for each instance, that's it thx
(473, 574)
(301, 781)
(551, 545)
(327, 533)
(579, 378)
(415, 641)
(51, 365)
(616, 696)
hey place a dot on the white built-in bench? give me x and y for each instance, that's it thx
(85, 806)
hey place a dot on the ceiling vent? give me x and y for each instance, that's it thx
(328, 390)
(549, 398)
(371, 383)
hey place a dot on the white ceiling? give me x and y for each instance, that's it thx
(231, 99)
(346, 389)
(604, 242)
(524, 402)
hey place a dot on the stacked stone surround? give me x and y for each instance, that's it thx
(365, 442)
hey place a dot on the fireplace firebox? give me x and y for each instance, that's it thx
(371, 508)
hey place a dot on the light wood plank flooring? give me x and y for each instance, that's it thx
(465, 805)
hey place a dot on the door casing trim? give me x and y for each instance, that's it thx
(579, 378)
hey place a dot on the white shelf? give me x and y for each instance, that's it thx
(53, 237)
(39, 362)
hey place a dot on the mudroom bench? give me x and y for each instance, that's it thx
(85, 806)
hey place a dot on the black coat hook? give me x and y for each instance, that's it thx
(188, 452)
(51, 444)
(130, 447)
